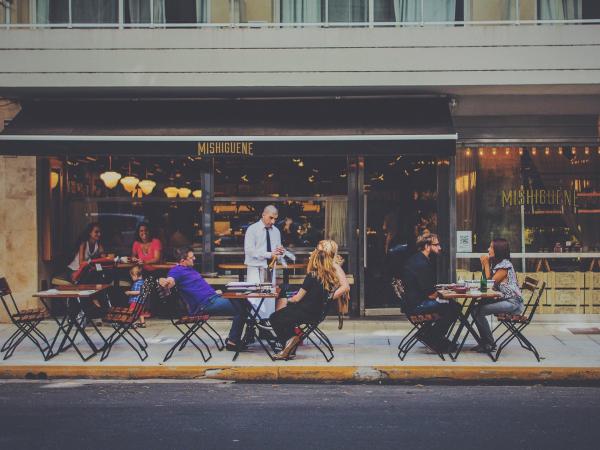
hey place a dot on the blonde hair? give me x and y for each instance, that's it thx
(321, 264)
(426, 238)
(135, 271)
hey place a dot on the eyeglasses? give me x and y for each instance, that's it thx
(436, 245)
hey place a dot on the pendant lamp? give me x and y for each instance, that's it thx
(129, 183)
(171, 192)
(184, 192)
(110, 178)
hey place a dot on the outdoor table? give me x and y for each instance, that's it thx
(240, 268)
(73, 318)
(252, 314)
(469, 299)
(146, 267)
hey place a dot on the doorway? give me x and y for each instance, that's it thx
(400, 201)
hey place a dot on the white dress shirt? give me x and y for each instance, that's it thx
(255, 244)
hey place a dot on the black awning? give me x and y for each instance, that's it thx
(150, 125)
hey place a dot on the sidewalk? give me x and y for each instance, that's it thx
(365, 350)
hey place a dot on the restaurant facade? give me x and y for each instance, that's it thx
(370, 160)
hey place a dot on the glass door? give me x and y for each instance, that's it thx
(400, 201)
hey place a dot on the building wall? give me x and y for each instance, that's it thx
(18, 222)
(424, 58)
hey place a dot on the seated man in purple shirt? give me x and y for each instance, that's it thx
(200, 297)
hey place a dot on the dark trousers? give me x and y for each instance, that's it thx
(448, 311)
(286, 319)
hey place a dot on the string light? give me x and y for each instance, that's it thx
(547, 151)
(586, 150)
(534, 151)
(574, 150)
(480, 151)
(494, 151)
(507, 151)
(520, 151)
(468, 151)
(560, 150)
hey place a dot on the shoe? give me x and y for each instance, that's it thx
(482, 348)
(289, 346)
(139, 325)
(263, 325)
(233, 347)
(249, 336)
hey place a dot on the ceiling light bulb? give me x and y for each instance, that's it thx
(197, 193)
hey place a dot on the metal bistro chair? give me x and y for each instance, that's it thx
(516, 323)
(123, 321)
(189, 326)
(422, 324)
(311, 329)
(26, 321)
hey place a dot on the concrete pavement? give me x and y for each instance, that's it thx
(365, 350)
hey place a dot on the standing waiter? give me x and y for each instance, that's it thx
(261, 243)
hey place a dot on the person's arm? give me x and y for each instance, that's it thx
(344, 287)
(500, 275)
(485, 266)
(251, 246)
(298, 296)
(82, 254)
(168, 282)
(132, 293)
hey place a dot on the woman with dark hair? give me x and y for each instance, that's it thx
(88, 247)
(146, 249)
(497, 266)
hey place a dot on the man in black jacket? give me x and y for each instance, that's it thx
(420, 296)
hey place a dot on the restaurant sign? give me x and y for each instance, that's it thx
(538, 197)
(226, 148)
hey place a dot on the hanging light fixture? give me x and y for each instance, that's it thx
(110, 178)
(171, 191)
(147, 186)
(54, 177)
(129, 183)
(184, 192)
(197, 193)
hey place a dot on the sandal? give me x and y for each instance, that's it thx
(139, 325)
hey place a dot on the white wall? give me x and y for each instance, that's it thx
(428, 58)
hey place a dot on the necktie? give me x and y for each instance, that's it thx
(268, 240)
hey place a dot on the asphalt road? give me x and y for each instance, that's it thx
(199, 415)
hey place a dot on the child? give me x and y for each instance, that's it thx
(134, 293)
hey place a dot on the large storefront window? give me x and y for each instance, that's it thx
(163, 192)
(309, 192)
(545, 200)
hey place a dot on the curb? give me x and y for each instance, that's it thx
(311, 374)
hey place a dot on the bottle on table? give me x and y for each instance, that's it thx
(483, 282)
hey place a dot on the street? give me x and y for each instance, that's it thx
(161, 414)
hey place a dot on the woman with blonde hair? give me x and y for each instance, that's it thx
(324, 276)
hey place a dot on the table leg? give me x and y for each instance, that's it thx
(252, 320)
(465, 322)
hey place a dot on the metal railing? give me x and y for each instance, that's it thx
(9, 10)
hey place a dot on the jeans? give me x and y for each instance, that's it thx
(284, 321)
(509, 306)
(219, 305)
(448, 311)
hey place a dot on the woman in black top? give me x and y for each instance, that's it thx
(324, 276)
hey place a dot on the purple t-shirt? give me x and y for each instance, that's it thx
(194, 290)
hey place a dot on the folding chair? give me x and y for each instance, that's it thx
(123, 321)
(311, 329)
(422, 324)
(26, 321)
(516, 323)
(189, 326)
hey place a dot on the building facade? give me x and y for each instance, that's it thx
(365, 121)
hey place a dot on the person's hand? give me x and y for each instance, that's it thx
(163, 282)
(485, 260)
(219, 291)
(279, 250)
